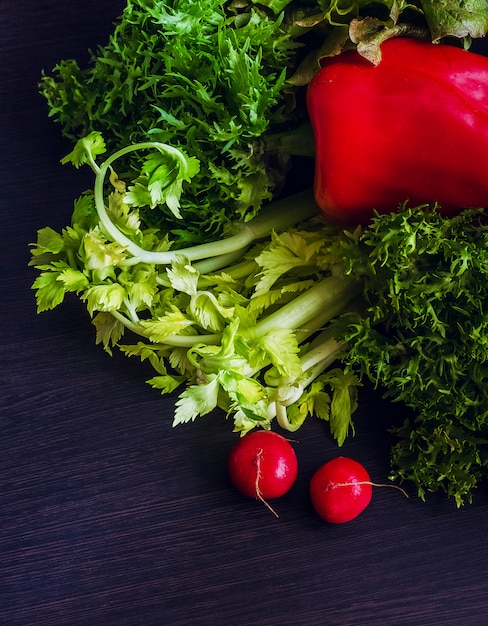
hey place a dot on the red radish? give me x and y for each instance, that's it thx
(340, 490)
(263, 465)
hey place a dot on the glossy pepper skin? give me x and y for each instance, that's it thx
(414, 127)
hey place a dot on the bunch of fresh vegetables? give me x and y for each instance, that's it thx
(193, 246)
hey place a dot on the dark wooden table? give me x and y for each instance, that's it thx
(108, 515)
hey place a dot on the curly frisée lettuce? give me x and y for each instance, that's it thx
(184, 258)
(194, 75)
(423, 340)
(241, 322)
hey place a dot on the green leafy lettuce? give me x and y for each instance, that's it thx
(423, 340)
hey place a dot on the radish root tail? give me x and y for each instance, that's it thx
(259, 494)
(368, 482)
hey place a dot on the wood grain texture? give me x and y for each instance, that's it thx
(111, 517)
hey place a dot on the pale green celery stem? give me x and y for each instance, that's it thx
(323, 352)
(208, 266)
(213, 264)
(322, 348)
(282, 418)
(316, 319)
(315, 363)
(330, 350)
(72, 258)
(322, 318)
(131, 310)
(236, 272)
(314, 308)
(278, 215)
(176, 341)
(302, 334)
(332, 291)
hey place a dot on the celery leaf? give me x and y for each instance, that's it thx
(197, 400)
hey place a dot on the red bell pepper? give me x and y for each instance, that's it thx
(414, 127)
